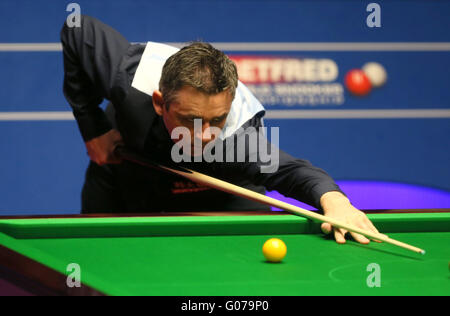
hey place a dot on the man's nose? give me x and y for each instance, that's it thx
(204, 133)
(207, 136)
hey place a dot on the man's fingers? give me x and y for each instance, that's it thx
(326, 228)
(101, 158)
(339, 235)
(106, 160)
(372, 228)
(360, 238)
(101, 149)
(113, 157)
(376, 240)
(114, 160)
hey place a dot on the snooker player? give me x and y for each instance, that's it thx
(154, 89)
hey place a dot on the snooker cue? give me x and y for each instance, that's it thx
(221, 185)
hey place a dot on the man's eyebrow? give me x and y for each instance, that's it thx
(221, 116)
(197, 116)
(190, 115)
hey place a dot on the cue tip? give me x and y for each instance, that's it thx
(423, 252)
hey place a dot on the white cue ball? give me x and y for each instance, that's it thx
(376, 74)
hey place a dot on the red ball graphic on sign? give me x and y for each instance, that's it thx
(357, 82)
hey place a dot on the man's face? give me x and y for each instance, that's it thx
(191, 105)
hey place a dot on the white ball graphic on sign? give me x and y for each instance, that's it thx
(376, 74)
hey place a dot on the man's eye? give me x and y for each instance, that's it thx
(190, 119)
(218, 120)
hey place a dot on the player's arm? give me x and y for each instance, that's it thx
(315, 187)
(299, 179)
(295, 178)
(92, 55)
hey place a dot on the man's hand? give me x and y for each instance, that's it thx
(101, 149)
(337, 206)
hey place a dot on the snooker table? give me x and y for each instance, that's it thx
(219, 254)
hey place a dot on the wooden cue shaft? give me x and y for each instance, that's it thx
(237, 190)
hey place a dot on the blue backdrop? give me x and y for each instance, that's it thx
(42, 162)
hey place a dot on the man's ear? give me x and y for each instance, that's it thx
(158, 102)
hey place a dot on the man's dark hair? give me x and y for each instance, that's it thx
(200, 66)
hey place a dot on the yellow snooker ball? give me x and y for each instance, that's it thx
(274, 250)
